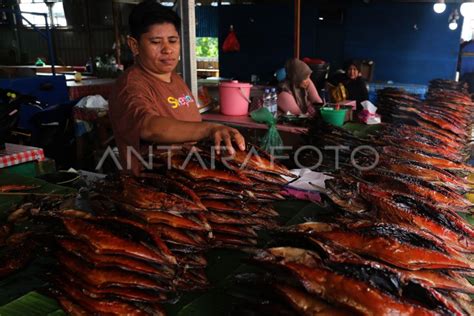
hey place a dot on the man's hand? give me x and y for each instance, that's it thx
(224, 134)
(167, 130)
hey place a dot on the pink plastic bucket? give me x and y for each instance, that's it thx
(234, 98)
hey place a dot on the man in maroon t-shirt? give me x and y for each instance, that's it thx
(150, 102)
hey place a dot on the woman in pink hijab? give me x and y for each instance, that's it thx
(298, 92)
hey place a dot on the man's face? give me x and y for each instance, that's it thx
(158, 49)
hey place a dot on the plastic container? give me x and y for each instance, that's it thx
(64, 178)
(267, 100)
(274, 102)
(334, 117)
(234, 98)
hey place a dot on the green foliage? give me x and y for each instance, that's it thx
(207, 47)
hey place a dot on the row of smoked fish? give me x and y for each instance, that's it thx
(135, 243)
(235, 192)
(396, 243)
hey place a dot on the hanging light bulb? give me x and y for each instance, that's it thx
(467, 9)
(453, 20)
(439, 7)
(453, 25)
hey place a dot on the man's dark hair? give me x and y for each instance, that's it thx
(150, 12)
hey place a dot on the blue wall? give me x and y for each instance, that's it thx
(321, 39)
(401, 53)
(207, 21)
(265, 34)
(382, 32)
(467, 61)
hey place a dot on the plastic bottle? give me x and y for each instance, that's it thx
(274, 98)
(90, 66)
(98, 63)
(267, 100)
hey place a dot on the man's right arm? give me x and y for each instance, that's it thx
(166, 130)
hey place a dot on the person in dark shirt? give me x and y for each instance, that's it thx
(352, 80)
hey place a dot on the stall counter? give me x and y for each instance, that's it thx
(247, 122)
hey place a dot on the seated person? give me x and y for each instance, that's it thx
(297, 91)
(352, 80)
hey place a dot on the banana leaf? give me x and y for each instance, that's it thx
(31, 304)
(9, 200)
(226, 298)
(361, 130)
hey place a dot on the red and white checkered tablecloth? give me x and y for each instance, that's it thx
(16, 154)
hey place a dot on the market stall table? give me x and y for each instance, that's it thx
(87, 87)
(247, 122)
(290, 133)
(24, 160)
(14, 154)
(70, 76)
(15, 71)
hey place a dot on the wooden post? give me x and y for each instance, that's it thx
(188, 43)
(90, 44)
(297, 28)
(117, 25)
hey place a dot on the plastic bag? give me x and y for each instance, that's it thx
(231, 43)
(93, 102)
(368, 115)
(272, 139)
(337, 93)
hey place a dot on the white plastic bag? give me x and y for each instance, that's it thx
(93, 102)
